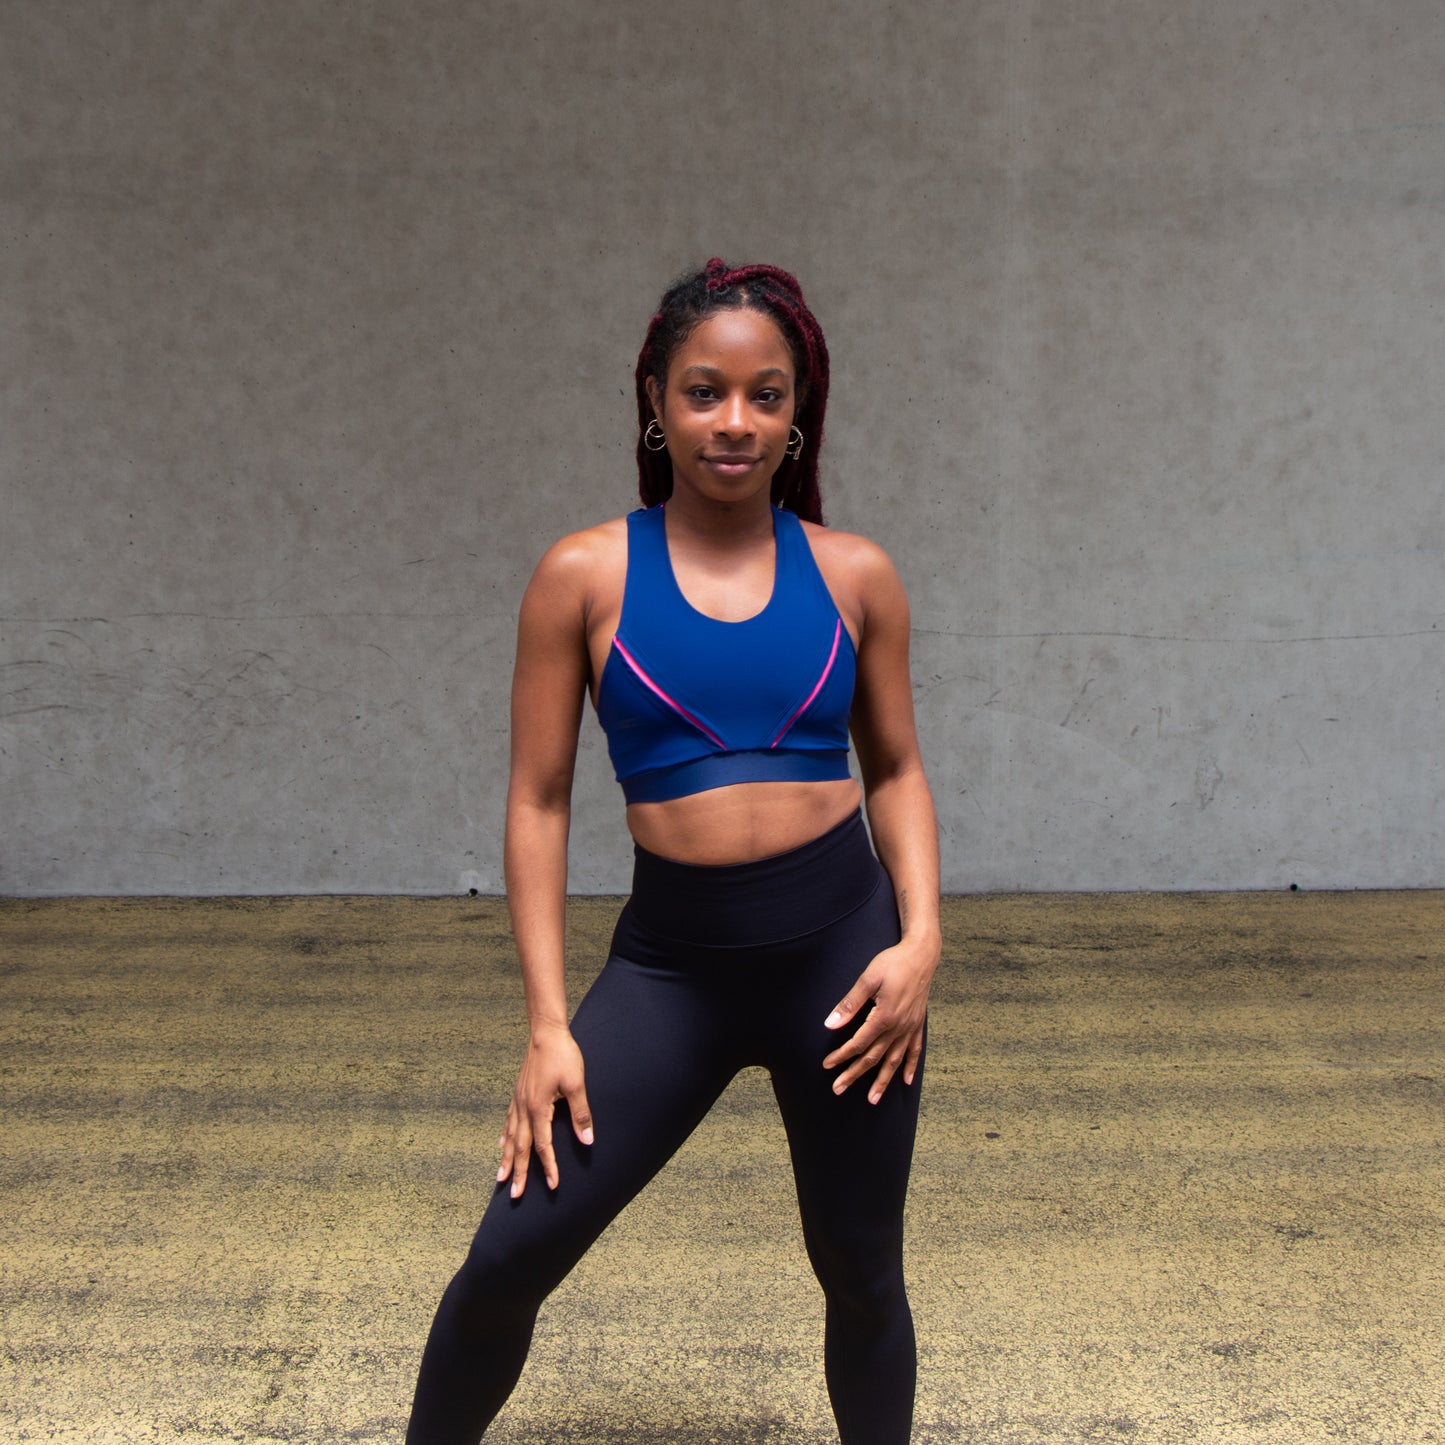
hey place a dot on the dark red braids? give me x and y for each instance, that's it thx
(719, 287)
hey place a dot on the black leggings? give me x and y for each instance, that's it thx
(711, 970)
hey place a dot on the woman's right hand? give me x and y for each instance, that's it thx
(552, 1070)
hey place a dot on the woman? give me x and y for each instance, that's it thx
(730, 644)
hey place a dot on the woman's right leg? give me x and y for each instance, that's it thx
(654, 1066)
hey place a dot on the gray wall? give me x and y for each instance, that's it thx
(317, 324)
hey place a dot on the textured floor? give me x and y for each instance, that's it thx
(1181, 1177)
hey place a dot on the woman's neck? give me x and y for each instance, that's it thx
(746, 521)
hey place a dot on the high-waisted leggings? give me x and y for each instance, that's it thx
(712, 969)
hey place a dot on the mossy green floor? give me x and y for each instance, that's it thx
(1180, 1178)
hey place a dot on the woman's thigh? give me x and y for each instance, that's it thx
(851, 1159)
(654, 1065)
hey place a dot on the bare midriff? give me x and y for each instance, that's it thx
(742, 822)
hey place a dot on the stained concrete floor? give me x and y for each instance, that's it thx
(1180, 1178)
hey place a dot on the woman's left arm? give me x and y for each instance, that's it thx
(905, 834)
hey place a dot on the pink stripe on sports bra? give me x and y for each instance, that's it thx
(817, 688)
(678, 708)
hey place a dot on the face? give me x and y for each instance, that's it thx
(728, 405)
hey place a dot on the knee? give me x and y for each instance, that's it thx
(867, 1285)
(516, 1260)
(500, 1278)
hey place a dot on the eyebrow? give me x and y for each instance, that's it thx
(715, 371)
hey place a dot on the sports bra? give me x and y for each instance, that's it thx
(690, 703)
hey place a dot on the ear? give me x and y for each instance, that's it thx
(654, 395)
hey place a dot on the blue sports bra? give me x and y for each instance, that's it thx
(690, 703)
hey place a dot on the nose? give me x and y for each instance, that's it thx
(733, 417)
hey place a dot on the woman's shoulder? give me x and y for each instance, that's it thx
(851, 557)
(582, 562)
(578, 553)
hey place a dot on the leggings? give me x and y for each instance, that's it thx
(712, 969)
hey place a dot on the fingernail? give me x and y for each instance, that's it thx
(874, 1098)
(839, 1087)
(516, 1190)
(586, 1135)
(501, 1174)
(833, 1020)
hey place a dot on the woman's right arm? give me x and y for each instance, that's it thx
(548, 684)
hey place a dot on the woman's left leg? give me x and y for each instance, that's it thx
(851, 1161)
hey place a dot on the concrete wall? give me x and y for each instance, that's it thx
(317, 323)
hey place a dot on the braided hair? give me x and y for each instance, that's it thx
(720, 287)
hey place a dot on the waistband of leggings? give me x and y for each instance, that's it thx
(738, 905)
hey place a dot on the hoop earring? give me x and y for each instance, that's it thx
(660, 437)
(795, 444)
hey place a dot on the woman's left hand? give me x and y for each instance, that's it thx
(891, 1036)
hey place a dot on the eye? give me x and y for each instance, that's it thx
(702, 393)
(770, 396)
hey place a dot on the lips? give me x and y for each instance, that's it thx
(732, 461)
